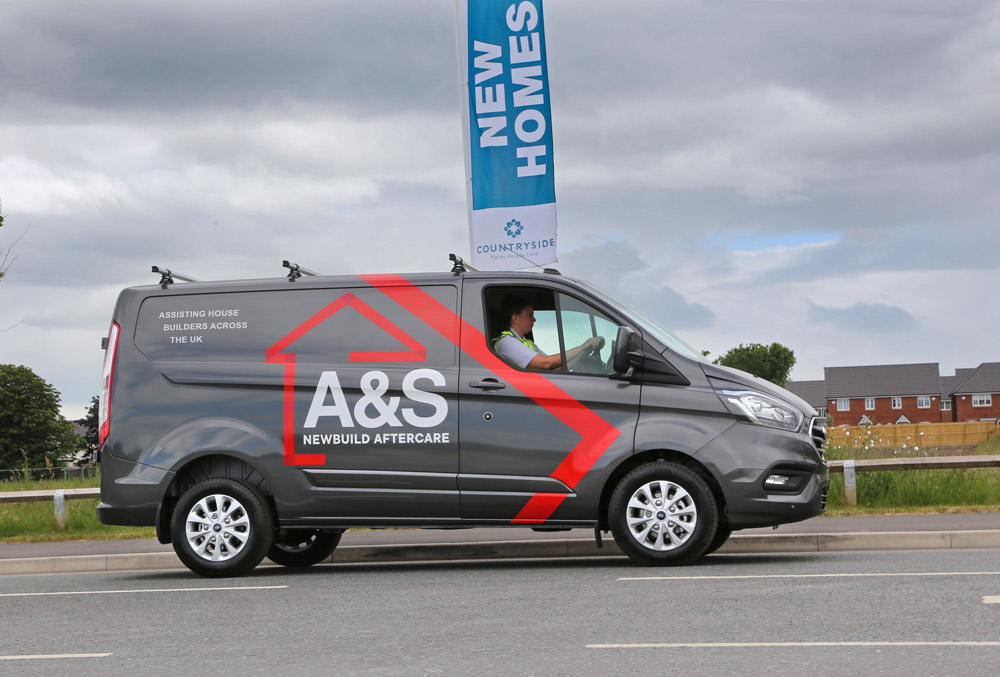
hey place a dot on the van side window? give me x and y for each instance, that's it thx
(580, 321)
(562, 322)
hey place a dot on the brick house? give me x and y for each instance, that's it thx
(885, 394)
(977, 397)
(948, 386)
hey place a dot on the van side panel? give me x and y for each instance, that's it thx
(343, 400)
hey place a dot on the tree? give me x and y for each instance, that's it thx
(32, 431)
(91, 429)
(773, 363)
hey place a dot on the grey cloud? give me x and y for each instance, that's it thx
(184, 56)
(617, 267)
(873, 318)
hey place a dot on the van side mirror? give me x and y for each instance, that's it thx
(627, 356)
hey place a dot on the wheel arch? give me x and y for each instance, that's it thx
(651, 456)
(207, 466)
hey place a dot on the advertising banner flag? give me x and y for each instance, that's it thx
(508, 133)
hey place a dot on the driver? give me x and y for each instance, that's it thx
(521, 352)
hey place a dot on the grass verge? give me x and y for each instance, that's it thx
(36, 523)
(890, 492)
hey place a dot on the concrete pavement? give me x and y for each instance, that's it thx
(820, 534)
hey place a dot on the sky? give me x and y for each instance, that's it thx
(819, 173)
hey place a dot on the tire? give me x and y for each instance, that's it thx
(235, 515)
(722, 535)
(303, 547)
(681, 519)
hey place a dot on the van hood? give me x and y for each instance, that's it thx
(717, 372)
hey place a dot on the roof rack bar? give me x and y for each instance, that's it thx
(167, 276)
(295, 271)
(460, 265)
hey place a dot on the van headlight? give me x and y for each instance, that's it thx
(761, 409)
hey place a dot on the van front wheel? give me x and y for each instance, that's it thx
(221, 527)
(303, 547)
(663, 514)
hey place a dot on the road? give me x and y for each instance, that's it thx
(932, 612)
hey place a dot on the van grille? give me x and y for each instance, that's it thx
(817, 431)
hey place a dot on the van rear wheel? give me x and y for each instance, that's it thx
(221, 527)
(663, 514)
(303, 547)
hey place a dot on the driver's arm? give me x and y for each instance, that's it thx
(549, 362)
(573, 355)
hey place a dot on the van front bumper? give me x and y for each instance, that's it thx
(772, 509)
(742, 459)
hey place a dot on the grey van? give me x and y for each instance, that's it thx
(256, 418)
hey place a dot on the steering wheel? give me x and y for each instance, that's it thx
(591, 362)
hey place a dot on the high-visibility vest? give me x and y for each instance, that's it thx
(519, 338)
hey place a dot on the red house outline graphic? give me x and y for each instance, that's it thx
(275, 355)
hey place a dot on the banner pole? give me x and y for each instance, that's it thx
(461, 40)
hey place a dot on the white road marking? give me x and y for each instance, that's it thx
(754, 645)
(126, 592)
(995, 599)
(54, 655)
(860, 575)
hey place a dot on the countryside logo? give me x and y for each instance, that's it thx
(513, 227)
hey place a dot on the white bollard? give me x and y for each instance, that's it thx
(60, 505)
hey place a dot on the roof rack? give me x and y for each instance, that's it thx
(295, 271)
(167, 276)
(460, 265)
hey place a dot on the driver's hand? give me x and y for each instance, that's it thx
(596, 342)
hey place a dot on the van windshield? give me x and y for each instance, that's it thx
(647, 323)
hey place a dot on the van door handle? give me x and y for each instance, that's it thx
(488, 384)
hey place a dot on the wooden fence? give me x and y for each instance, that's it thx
(912, 435)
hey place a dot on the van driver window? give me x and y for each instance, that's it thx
(525, 331)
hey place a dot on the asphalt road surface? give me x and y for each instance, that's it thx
(913, 613)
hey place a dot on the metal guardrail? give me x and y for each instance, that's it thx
(849, 468)
(918, 463)
(48, 495)
(57, 496)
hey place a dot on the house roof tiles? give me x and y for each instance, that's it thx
(985, 379)
(813, 392)
(950, 383)
(884, 380)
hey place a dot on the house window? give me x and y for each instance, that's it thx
(843, 405)
(982, 400)
(923, 402)
(869, 403)
(945, 405)
(897, 403)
